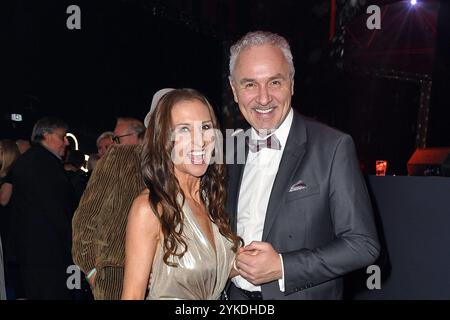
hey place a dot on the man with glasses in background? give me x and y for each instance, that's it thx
(128, 131)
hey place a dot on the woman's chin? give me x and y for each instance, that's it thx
(196, 170)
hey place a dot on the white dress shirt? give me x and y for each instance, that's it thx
(257, 181)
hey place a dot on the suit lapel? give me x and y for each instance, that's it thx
(292, 157)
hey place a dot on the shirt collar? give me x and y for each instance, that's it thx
(282, 132)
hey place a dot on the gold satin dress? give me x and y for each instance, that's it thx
(201, 273)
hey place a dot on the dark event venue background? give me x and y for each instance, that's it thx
(369, 83)
(388, 88)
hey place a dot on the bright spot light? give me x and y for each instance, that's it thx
(413, 2)
(84, 168)
(71, 135)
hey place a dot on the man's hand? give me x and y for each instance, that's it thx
(259, 263)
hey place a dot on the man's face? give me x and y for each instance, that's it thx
(262, 87)
(124, 134)
(103, 145)
(56, 141)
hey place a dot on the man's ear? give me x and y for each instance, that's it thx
(46, 136)
(233, 89)
(292, 87)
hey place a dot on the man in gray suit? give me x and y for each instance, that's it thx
(299, 201)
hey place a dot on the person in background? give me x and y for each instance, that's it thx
(103, 142)
(9, 153)
(128, 131)
(43, 203)
(23, 145)
(100, 221)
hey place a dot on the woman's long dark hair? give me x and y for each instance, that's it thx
(159, 177)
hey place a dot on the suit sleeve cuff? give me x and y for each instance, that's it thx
(281, 281)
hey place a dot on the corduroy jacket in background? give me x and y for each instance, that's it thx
(99, 223)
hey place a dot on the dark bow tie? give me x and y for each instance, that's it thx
(270, 142)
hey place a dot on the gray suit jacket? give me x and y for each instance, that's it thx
(326, 228)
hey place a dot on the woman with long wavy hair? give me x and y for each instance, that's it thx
(179, 243)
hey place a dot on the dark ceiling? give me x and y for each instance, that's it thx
(128, 49)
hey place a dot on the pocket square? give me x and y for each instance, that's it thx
(300, 185)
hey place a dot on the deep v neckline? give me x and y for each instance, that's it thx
(212, 246)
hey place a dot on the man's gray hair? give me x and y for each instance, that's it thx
(259, 38)
(46, 125)
(134, 125)
(104, 135)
